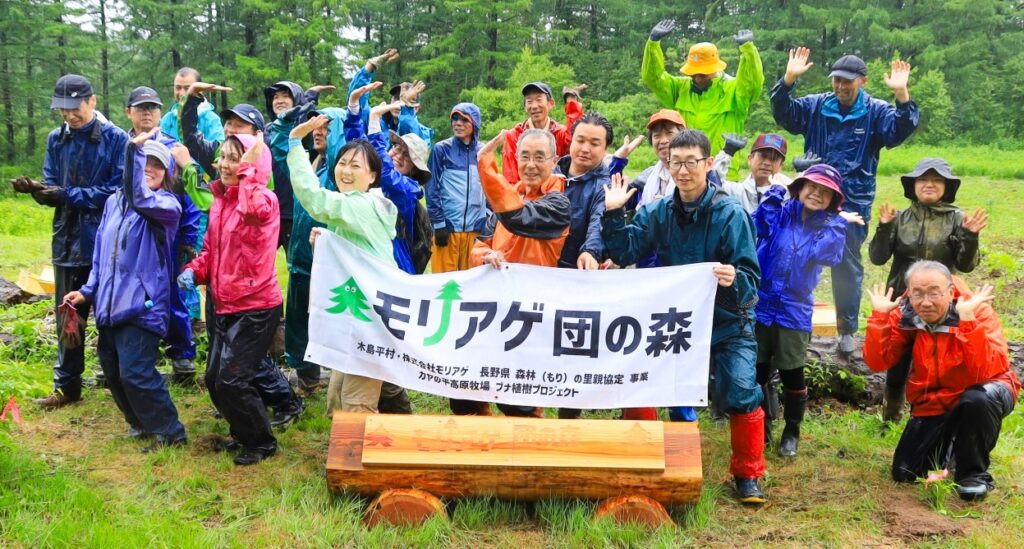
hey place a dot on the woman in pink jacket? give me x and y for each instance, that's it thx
(238, 263)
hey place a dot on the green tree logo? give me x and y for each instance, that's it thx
(449, 294)
(349, 298)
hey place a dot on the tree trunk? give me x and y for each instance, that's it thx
(492, 46)
(104, 60)
(5, 92)
(30, 109)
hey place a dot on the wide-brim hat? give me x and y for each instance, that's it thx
(940, 167)
(417, 150)
(703, 59)
(824, 175)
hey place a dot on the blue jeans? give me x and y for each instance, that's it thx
(128, 356)
(736, 387)
(847, 279)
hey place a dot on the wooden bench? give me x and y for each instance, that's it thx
(823, 320)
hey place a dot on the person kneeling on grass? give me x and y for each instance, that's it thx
(237, 264)
(960, 385)
(796, 238)
(130, 289)
(357, 213)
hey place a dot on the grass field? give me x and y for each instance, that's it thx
(72, 477)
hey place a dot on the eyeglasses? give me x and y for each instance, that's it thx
(147, 107)
(536, 159)
(676, 165)
(934, 295)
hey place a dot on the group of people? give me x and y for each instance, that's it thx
(143, 218)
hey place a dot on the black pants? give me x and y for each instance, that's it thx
(896, 377)
(67, 372)
(967, 434)
(240, 343)
(476, 408)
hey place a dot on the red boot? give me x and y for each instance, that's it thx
(748, 452)
(643, 414)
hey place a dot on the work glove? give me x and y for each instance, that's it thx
(733, 143)
(187, 280)
(47, 196)
(743, 36)
(801, 163)
(663, 27)
(24, 184)
(441, 237)
(573, 91)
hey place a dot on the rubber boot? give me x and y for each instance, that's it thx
(892, 410)
(643, 414)
(770, 404)
(793, 412)
(747, 464)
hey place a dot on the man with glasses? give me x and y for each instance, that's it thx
(698, 223)
(455, 200)
(847, 129)
(83, 166)
(960, 386)
(538, 101)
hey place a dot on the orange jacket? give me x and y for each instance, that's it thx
(526, 227)
(960, 354)
(563, 137)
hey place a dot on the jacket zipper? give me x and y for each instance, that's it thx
(465, 210)
(113, 261)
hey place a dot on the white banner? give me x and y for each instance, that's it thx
(526, 335)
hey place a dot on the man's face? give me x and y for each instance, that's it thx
(691, 181)
(235, 126)
(537, 106)
(764, 163)
(80, 115)
(144, 117)
(930, 187)
(536, 161)
(462, 126)
(588, 147)
(400, 158)
(282, 101)
(155, 173)
(661, 135)
(846, 90)
(181, 84)
(320, 139)
(702, 81)
(930, 294)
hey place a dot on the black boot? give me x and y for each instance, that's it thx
(892, 409)
(770, 404)
(793, 411)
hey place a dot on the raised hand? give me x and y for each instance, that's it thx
(966, 308)
(181, 155)
(322, 88)
(379, 61)
(808, 159)
(628, 146)
(743, 36)
(307, 127)
(254, 152)
(898, 78)
(887, 214)
(852, 218)
(140, 139)
(733, 143)
(977, 221)
(662, 29)
(198, 88)
(362, 90)
(410, 95)
(573, 91)
(493, 144)
(383, 107)
(798, 64)
(618, 192)
(881, 298)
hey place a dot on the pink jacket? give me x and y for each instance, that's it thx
(240, 247)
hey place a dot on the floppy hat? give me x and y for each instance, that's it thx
(824, 175)
(703, 59)
(940, 167)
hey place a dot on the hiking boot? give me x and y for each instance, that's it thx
(749, 492)
(137, 433)
(892, 409)
(972, 490)
(252, 456)
(846, 344)
(183, 372)
(793, 412)
(57, 399)
(227, 445)
(284, 416)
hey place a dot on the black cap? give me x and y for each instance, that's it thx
(247, 113)
(849, 67)
(142, 95)
(70, 91)
(538, 87)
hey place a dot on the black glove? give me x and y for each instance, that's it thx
(743, 36)
(25, 184)
(50, 196)
(663, 27)
(441, 237)
(733, 143)
(801, 163)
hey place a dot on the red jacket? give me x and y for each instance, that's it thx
(563, 137)
(239, 255)
(960, 354)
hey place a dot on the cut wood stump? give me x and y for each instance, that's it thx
(525, 459)
(634, 509)
(403, 507)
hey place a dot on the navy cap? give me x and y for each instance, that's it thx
(849, 67)
(538, 87)
(142, 95)
(247, 113)
(70, 91)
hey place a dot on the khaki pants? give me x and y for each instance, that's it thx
(352, 393)
(454, 256)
